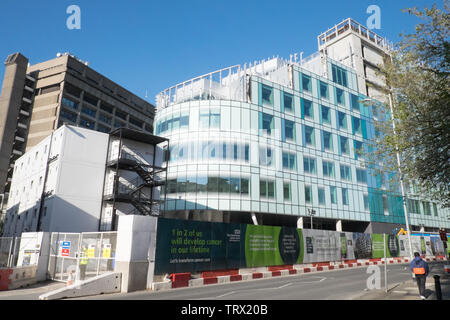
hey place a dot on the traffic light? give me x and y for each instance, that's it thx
(443, 235)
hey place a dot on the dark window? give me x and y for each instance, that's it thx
(90, 99)
(121, 114)
(48, 89)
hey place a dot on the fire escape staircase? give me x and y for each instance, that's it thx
(139, 191)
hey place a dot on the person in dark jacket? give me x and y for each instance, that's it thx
(420, 270)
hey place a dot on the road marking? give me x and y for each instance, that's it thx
(284, 286)
(225, 294)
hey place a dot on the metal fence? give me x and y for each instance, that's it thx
(7, 249)
(83, 255)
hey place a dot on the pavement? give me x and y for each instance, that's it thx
(408, 290)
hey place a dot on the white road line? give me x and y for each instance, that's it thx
(225, 294)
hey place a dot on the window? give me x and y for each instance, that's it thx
(51, 88)
(309, 136)
(328, 168)
(357, 128)
(213, 184)
(287, 191)
(345, 196)
(267, 95)
(204, 119)
(214, 119)
(68, 115)
(358, 149)
(339, 75)
(265, 156)
(333, 195)
(69, 103)
(102, 128)
(245, 186)
(118, 124)
(323, 90)
(385, 204)
(340, 96)
(306, 83)
(413, 206)
(426, 208)
(289, 130)
(288, 102)
(327, 141)
(355, 103)
(267, 189)
(345, 172)
(89, 111)
(90, 99)
(121, 114)
(208, 119)
(267, 123)
(70, 89)
(136, 122)
(87, 123)
(435, 209)
(366, 202)
(321, 193)
(342, 120)
(361, 176)
(309, 165)
(184, 121)
(289, 161)
(225, 184)
(326, 115)
(345, 148)
(308, 110)
(106, 107)
(104, 118)
(308, 194)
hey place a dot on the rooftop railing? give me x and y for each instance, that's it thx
(350, 24)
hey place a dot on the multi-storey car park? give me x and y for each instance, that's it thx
(276, 142)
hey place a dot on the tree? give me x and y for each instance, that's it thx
(417, 80)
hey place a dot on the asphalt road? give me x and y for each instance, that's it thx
(344, 284)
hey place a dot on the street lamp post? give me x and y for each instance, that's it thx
(311, 213)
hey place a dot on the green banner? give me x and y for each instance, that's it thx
(193, 246)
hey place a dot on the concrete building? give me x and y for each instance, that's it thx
(354, 45)
(276, 141)
(38, 99)
(65, 182)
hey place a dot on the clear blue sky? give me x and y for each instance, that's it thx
(156, 44)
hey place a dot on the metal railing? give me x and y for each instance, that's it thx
(350, 24)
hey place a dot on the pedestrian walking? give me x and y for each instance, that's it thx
(420, 270)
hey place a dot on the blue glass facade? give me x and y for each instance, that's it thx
(282, 150)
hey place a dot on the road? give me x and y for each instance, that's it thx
(343, 284)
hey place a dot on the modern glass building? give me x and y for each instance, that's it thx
(273, 142)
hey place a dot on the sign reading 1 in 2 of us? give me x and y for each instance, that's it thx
(65, 248)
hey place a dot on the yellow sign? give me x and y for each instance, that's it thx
(402, 231)
(91, 251)
(106, 251)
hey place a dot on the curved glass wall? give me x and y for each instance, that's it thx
(280, 149)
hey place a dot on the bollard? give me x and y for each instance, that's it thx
(437, 286)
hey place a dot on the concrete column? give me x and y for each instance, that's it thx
(300, 223)
(254, 219)
(136, 236)
(339, 225)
